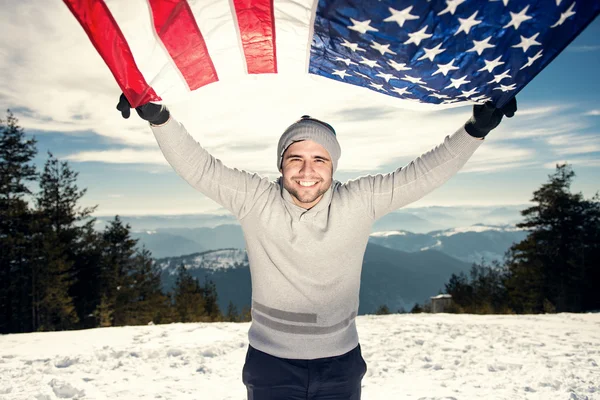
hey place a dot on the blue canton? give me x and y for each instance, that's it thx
(443, 52)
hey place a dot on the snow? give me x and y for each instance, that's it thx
(477, 228)
(437, 244)
(409, 356)
(388, 233)
(211, 260)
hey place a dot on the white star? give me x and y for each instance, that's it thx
(517, 19)
(483, 98)
(401, 16)
(432, 53)
(506, 88)
(467, 24)
(451, 6)
(490, 65)
(401, 91)
(505, 2)
(530, 60)
(563, 17)
(416, 37)
(352, 46)
(413, 80)
(377, 86)
(362, 26)
(450, 101)
(387, 77)
(445, 68)
(456, 83)
(526, 43)
(363, 75)
(558, 2)
(439, 96)
(498, 78)
(428, 89)
(480, 45)
(341, 73)
(382, 48)
(468, 93)
(370, 63)
(398, 66)
(346, 61)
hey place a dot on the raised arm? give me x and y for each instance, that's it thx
(236, 190)
(384, 193)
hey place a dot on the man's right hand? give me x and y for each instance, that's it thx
(156, 114)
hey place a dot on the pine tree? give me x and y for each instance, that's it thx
(87, 272)
(57, 219)
(246, 314)
(383, 310)
(211, 297)
(553, 266)
(149, 303)
(117, 267)
(189, 298)
(16, 171)
(232, 313)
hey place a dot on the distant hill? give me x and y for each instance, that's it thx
(163, 244)
(469, 244)
(398, 279)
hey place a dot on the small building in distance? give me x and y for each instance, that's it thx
(441, 303)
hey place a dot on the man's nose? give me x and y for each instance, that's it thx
(306, 167)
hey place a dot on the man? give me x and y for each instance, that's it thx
(306, 235)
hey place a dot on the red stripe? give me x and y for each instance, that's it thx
(256, 21)
(106, 36)
(177, 28)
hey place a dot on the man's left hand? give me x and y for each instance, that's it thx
(486, 117)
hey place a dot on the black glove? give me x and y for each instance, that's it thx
(156, 114)
(486, 117)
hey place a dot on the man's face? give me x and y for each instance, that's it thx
(307, 172)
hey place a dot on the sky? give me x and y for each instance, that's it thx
(408, 356)
(63, 94)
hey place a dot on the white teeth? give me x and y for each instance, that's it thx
(303, 183)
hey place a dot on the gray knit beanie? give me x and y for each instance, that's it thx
(308, 128)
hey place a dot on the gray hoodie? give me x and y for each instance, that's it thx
(306, 264)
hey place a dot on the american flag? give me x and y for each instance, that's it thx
(438, 51)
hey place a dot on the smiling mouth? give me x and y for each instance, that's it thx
(306, 183)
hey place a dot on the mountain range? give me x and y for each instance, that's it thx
(401, 266)
(413, 219)
(395, 278)
(468, 244)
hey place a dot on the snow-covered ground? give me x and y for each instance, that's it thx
(422, 356)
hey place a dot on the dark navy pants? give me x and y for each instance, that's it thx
(332, 378)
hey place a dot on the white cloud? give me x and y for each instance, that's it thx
(593, 113)
(121, 156)
(574, 144)
(540, 111)
(491, 157)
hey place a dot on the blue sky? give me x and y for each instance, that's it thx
(66, 99)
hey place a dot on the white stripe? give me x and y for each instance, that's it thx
(134, 18)
(220, 32)
(293, 35)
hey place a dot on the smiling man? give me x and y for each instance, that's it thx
(306, 235)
